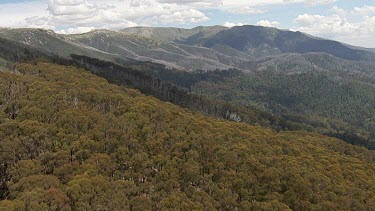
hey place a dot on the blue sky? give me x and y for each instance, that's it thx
(350, 21)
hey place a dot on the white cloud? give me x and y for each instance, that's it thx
(233, 5)
(311, 2)
(368, 26)
(152, 12)
(247, 6)
(75, 15)
(182, 17)
(365, 10)
(338, 28)
(246, 10)
(138, 3)
(319, 2)
(230, 25)
(268, 23)
(327, 26)
(77, 30)
(194, 2)
(63, 14)
(339, 11)
(252, 3)
(253, 6)
(77, 11)
(36, 22)
(119, 25)
(13, 14)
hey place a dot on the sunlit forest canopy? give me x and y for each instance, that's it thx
(84, 144)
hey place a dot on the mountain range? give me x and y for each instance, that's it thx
(206, 48)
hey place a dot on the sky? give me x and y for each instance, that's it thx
(349, 21)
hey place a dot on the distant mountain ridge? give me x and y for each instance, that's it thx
(173, 34)
(206, 48)
(250, 38)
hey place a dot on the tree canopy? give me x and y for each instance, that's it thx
(84, 144)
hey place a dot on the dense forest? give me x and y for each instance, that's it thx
(342, 104)
(311, 101)
(296, 96)
(72, 141)
(174, 86)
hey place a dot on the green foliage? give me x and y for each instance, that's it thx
(15, 205)
(84, 144)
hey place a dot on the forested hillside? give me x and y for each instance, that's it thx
(84, 144)
(341, 99)
(157, 80)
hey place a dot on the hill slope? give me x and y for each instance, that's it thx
(250, 38)
(84, 144)
(315, 86)
(51, 43)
